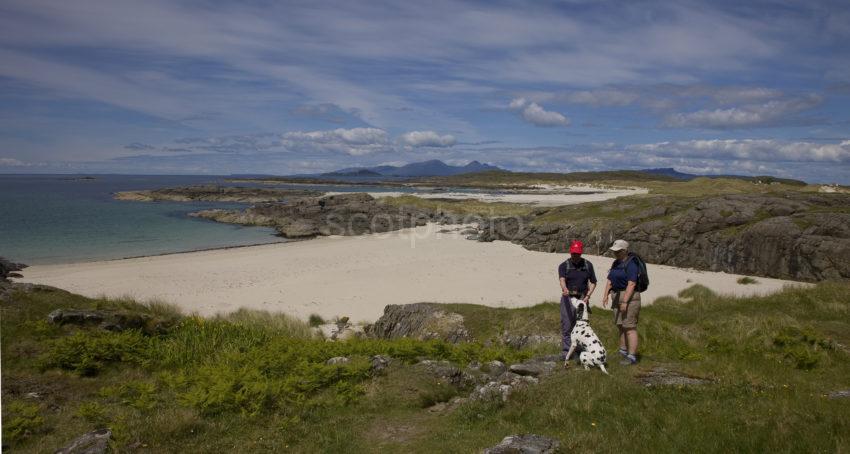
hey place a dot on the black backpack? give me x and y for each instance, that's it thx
(582, 267)
(643, 277)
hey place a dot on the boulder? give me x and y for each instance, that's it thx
(537, 367)
(110, 320)
(420, 321)
(338, 360)
(7, 269)
(446, 371)
(525, 444)
(660, 376)
(94, 442)
(380, 362)
(842, 394)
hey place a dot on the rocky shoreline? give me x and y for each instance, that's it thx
(788, 235)
(800, 236)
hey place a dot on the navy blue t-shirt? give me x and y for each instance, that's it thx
(578, 276)
(620, 275)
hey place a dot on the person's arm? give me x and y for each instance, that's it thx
(590, 288)
(591, 284)
(562, 278)
(627, 295)
(564, 290)
(607, 292)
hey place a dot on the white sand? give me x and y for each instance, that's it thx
(543, 196)
(356, 276)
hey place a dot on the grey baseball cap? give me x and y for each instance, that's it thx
(619, 245)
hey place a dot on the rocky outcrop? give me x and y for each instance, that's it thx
(110, 320)
(8, 269)
(213, 193)
(340, 214)
(340, 330)
(419, 321)
(94, 442)
(525, 444)
(660, 376)
(802, 236)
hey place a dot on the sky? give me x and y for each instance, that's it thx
(289, 87)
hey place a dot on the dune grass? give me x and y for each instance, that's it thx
(254, 381)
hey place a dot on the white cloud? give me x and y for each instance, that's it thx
(764, 150)
(12, 162)
(355, 141)
(771, 113)
(427, 139)
(537, 115)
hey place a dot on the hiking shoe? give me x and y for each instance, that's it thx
(622, 352)
(629, 360)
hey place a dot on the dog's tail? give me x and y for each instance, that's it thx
(602, 366)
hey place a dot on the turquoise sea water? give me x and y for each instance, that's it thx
(60, 219)
(46, 219)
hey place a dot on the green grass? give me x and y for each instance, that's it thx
(258, 382)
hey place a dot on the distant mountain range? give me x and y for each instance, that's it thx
(432, 168)
(671, 172)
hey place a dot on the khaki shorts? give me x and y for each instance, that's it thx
(629, 318)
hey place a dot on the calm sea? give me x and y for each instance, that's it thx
(47, 219)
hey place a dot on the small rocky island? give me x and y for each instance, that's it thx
(213, 193)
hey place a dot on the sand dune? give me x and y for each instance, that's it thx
(356, 276)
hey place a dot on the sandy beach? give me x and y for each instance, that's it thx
(357, 276)
(541, 196)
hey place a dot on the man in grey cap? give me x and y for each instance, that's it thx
(622, 282)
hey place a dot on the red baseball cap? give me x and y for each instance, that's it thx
(576, 247)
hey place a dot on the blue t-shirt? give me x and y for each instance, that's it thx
(620, 275)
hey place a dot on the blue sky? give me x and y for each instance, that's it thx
(202, 87)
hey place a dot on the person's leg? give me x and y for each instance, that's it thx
(623, 340)
(568, 317)
(631, 336)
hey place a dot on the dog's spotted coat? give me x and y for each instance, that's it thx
(583, 337)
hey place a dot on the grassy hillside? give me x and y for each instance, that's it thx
(657, 184)
(258, 382)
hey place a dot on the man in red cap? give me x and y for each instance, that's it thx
(577, 281)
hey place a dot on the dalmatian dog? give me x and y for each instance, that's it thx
(583, 336)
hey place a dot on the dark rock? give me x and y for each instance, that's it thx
(95, 442)
(76, 317)
(794, 235)
(525, 444)
(534, 368)
(660, 376)
(494, 368)
(380, 362)
(109, 320)
(213, 193)
(446, 371)
(339, 214)
(420, 321)
(492, 391)
(7, 269)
